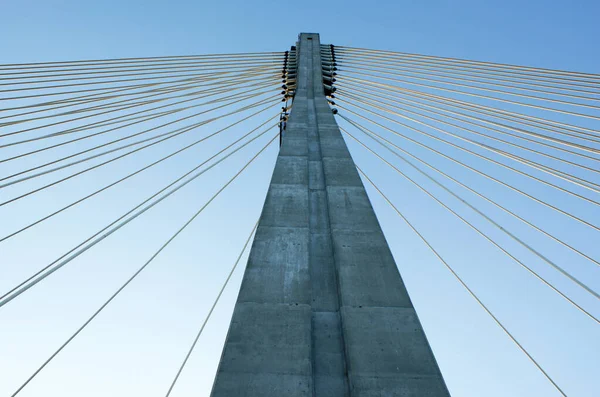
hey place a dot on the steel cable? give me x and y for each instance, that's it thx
(369, 132)
(497, 65)
(538, 107)
(472, 152)
(542, 202)
(419, 105)
(144, 266)
(182, 131)
(460, 280)
(220, 89)
(540, 167)
(479, 212)
(144, 119)
(522, 118)
(212, 308)
(511, 256)
(371, 68)
(116, 225)
(460, 71)
(95, 98)
(471, 70)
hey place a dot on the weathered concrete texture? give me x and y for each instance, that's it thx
(259, 385)
(329, 361)
(269, 338)
(398, 386)
(395, 346)
(322, 309)
(267, 352)
(277, 270)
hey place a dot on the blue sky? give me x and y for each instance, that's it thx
(134, 348)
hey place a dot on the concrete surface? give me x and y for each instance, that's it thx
(322, 309)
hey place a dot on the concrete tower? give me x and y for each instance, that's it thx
(322, 310)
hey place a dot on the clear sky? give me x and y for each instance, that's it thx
(136, 345)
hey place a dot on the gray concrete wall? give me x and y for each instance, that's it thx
(322, 310)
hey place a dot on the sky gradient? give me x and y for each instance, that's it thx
(136, 345)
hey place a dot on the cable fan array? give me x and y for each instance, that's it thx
(60, 121)
(460, 132)
(479, 119)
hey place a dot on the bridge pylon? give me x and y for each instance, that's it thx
(322, 310)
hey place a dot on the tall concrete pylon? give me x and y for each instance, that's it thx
(322, 310)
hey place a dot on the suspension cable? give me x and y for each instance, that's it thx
(419, 105)
(126, 60)
(461, 71)
(490, 64)
(115, 225)
(106, 90)
(584, 198)
(208, 93)
(238, 97)
(189, 128)
(522, 118)
(370, 132)
(106, 144)
(540, 167)
(193, 82)
(103, 82)
(542, 202)
(140, 170)
(475, 209)
(481, 233)
(411, 71)
(170, 70)
(212, 308)
(460, 280)
(144, 266)
(127, 69)
(538, 107)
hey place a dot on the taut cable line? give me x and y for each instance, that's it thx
(198, 95)
(520, 117)
(196, 82)
(540, 201)
(110, 185)
(119, 105)
(103, 82)
(540, 167)
(138, 60)
(411, 71)
(460, 280)
(437, 110)
(499, 99)
(127, 69)
(550, 72)
(178, 132)
(235, 98)
(111, 89)
(475, 209)
(460, 71)
(144, 266)
(475, 71)
(116, 224)
(217, 94)
(119, 120)
(169, 70)
(114, 149)
(372, 133)
(488, 238)
(569, 192)
(212, 308)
